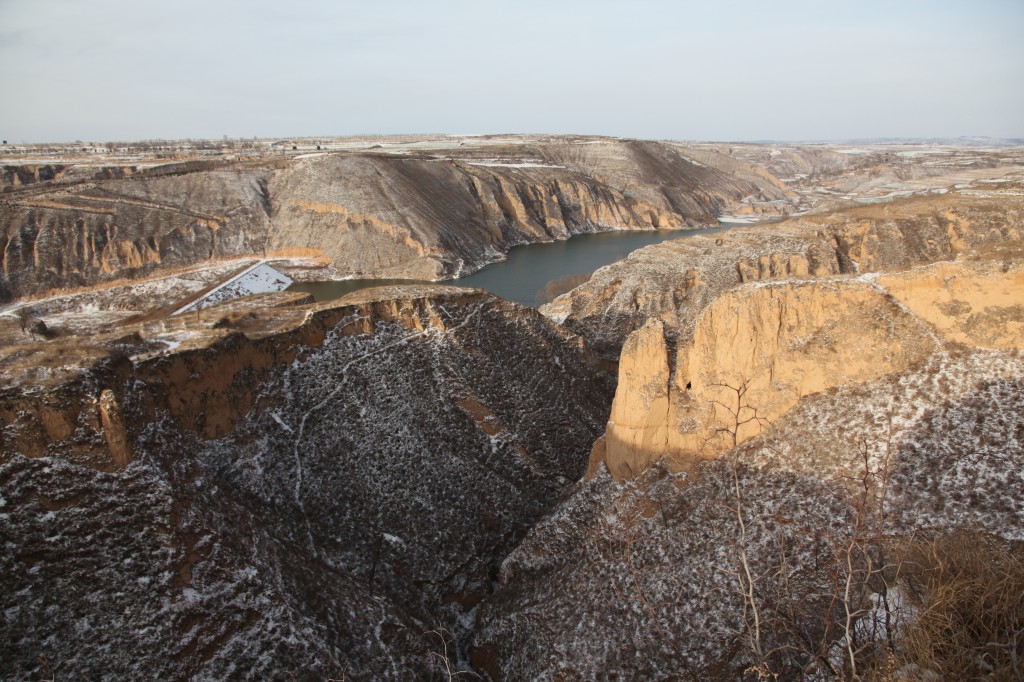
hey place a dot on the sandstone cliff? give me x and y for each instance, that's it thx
(725, 354)
(758, 349)
(642, 577)
(675, 281)
(368, 213)
(380, 487)
(757, 431)
(102, 231)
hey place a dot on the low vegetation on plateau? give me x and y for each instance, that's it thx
(789, 451)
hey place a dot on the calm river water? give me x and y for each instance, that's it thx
(529, 268)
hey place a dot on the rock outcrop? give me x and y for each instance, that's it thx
(712, 369)
(314, 500)
(395, 485)
(754, 353)
(16, 176)
(752, 437)
(977, 304)
(675, 281)
(640, 579)
(125, 228)
(365, 214)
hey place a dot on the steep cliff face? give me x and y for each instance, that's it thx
(99, 232)
(641, 579)
(16, 176)
(431, 218)
(423, 216)
(980, 304)
(763, 384)
(760, 348)
(742, 418)
(675, 281)
(946, 431)
(315, 500)
(735, 329)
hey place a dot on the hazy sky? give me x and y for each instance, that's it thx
(716, 69)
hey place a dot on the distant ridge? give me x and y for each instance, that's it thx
(964, 140)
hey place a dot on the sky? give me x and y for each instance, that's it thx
(104, 70)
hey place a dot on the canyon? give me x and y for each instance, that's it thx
(423, 480)
(365, 214)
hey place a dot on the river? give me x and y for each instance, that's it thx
(531, 268)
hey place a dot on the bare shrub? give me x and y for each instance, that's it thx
(24, 316)
(559, 286)
(447, 658)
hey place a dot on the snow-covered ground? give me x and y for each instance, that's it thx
(497, 163)
(259, 279)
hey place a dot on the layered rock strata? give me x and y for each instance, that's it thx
(761, 432)
(758, 349)
(675, 281)
(365, 214)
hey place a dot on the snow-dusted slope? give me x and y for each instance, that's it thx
(641, 579)
(313, 503)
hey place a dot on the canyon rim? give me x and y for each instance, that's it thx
(726, 455)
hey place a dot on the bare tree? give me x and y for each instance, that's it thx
(24, 316)
(864, 571)
(856, 614)
(445, 657)
(738, 414)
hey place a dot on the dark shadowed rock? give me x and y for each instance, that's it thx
(312, 502)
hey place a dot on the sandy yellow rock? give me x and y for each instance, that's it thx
(974, 303)
(114, 432)
(638, 427)
(755, 352)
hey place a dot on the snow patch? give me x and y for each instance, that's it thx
(497, 163)
(259, 279)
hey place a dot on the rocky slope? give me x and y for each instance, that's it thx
(369, 213)
(312, 502)
(827, 177)
(758, 349)
(397, 483)
(675, 281)
(771, 448)
(738, 328)
(102, 231)
(643, 578)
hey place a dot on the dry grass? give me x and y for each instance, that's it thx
(968, 592)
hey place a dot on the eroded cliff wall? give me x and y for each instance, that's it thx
(699, 379)
(104, 231)
(368, 214)
(641, 578)
(315, 500)
(755, 434)
(675, 281)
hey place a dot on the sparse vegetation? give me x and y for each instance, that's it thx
(559, 286)
(965, 590)
(345, 491)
